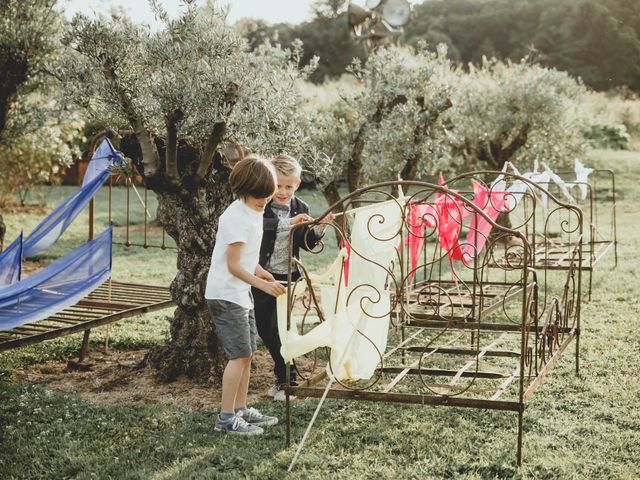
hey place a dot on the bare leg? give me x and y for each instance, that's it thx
(243, 387)
(231, 381)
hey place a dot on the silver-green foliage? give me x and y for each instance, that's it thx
(388, 120)
(189, 65)
(406, 131)
(415, 106)
(38, 134)
(518, 112)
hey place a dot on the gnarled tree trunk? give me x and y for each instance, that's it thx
(189, 212)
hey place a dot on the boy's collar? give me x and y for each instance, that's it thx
(272, 202)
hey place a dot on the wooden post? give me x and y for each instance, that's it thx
(85, 345)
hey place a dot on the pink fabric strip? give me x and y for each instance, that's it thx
(479, 229)
(451, 214)
(421, 216)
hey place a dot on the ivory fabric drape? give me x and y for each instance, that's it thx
(356, 317)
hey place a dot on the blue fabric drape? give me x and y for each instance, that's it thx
(58, 286)
(53, 226)
(11, 262)
(102, 158)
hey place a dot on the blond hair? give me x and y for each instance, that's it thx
(253, 176)
(287, 165)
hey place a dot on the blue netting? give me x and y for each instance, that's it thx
(11, 262)
(53, 226)
(58, 286)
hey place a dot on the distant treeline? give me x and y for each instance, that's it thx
(596, 40)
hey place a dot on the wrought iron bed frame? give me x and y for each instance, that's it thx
(495, 311)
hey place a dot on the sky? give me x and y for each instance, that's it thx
(273, 11)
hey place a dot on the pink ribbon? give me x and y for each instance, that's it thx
(346, 261)
(450, 213)
(479, 229)
(421, 215)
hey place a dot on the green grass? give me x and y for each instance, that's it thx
(585, 427)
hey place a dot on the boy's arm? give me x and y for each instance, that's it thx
(234, 254)
(270, 224)
(305, 237)
(311, 235)
(262, 273)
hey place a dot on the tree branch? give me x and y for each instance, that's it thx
(16, 73)
(516, 144)
(354, 164)
(217, 133)
(215, 137)
(171, 153)
(410, 168)
(150, 156)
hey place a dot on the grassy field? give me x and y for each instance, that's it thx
(585, 427)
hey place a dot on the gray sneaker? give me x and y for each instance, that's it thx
(254, 417)
(237, 426)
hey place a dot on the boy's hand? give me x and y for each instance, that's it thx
(275, 289)
(300, 218)
(328, 218)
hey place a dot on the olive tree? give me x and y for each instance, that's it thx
(38, 155)
(36, 132)
(29, 30)
(385, 128)
(185, 92)
(515, 112)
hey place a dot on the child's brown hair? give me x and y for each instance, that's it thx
(253, 176)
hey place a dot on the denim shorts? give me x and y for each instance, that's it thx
(235, 326)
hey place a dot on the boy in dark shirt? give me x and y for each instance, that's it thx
(284, 211)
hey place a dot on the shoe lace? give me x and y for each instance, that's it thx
(238, 422)
(253, 412)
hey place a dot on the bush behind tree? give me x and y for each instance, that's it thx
(595, 40)
(35, 157)
(516, 112)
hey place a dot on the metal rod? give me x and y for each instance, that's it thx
(313, 419)
(519, 450)
(146, 225)
(128, 182)
(135, 190)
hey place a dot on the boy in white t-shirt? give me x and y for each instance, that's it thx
(234, 270)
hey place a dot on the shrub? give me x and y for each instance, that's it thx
(612, 136)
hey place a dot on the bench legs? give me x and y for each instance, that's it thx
(85, 345)
(519, 450)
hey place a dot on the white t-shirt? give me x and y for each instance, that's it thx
(238, 223)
